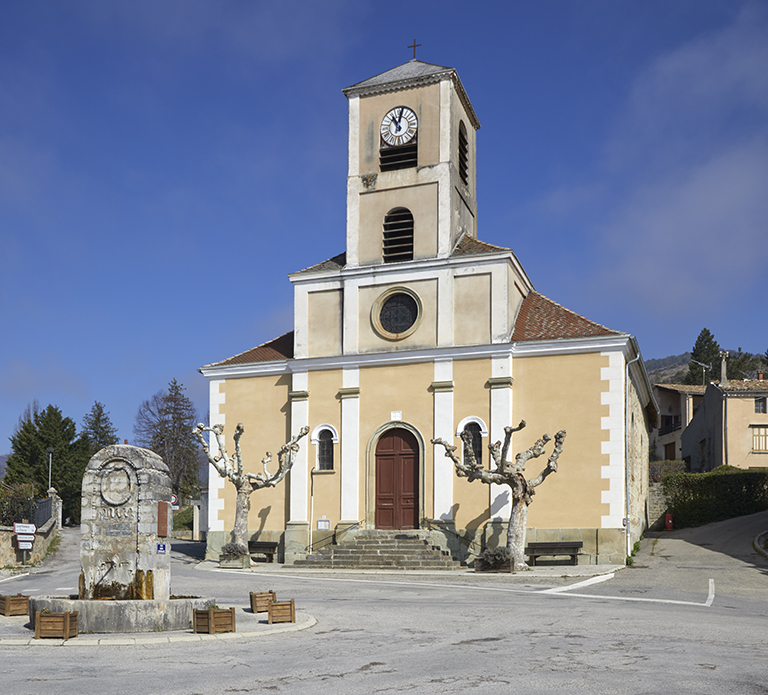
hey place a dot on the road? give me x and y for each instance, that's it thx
(688, 617)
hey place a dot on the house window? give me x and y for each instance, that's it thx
(463, 154)
(760, 405)
(760, 439)
(398, 236)
(325, 451)
(477, 441)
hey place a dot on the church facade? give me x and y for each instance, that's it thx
(418, 331)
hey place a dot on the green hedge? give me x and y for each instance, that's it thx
(726, 492)
(657, 470)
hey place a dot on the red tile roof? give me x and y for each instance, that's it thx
(277, 349)
(745, 385)
(540, 318)
(682, 388)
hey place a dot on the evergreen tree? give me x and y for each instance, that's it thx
(164, 424)
(36, 431)
(99, 428)
(706, 351)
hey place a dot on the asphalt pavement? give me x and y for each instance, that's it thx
(688, 616)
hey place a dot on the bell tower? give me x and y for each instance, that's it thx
(411, 185)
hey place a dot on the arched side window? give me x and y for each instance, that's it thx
(476, 427)
(477, 441)
(463, 154)
(398, 236)
(324, 436)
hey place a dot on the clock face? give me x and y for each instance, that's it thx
(398, 127)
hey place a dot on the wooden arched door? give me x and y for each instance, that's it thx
(397, 480)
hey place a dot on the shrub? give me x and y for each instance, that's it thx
(495, 556)
(17, 502)
(725, 492)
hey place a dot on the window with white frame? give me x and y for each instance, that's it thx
(760, 439)
(476, 427)
(324, 437)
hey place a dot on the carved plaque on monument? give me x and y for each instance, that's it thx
(125, 519)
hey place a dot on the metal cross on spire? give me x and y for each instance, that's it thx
(414, 47)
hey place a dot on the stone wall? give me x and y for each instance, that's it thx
(657, 507)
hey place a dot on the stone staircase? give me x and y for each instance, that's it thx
(395, 550)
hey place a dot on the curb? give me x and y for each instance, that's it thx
(758, 541)
(154, 638)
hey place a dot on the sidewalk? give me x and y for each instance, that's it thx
(15, 633)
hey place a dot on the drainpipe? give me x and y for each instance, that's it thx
(723, 387)
(626, 455)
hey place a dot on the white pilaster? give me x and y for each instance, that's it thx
(216, 398)
(350, 328)
(443, 429)
(353, 192)
(300, 321)
(299, 497)
(445, 290)
(350, 444)
(501, 417)
(613, 397)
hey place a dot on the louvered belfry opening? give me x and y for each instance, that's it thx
(463, 154)
(403, 157)
(398, 236)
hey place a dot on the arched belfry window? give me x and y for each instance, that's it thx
(398, 236)
(463, 153)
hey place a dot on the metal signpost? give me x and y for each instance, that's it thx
(25, 537)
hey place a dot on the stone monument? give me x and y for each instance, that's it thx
(125, 527)
(125, 550)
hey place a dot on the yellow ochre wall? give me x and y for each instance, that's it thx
(563, 392)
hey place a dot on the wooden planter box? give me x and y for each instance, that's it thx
(14, 605)
(282, 612)
(213, 620)
(61, 625)
(260, 601)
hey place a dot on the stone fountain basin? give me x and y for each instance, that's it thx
(124, 616)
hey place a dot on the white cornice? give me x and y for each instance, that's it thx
(413, 83)
(540, 348)
(418, 268)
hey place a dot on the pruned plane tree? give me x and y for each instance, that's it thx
(508, 473)
(231, 468)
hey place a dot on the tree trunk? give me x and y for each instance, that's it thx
(242, 507)
(518, 523)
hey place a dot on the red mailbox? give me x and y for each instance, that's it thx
(668, 522)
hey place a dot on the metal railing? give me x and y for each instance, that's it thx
(43, 511)
(475, 546)
(331, 540)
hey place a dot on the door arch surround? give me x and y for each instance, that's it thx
(370, 469)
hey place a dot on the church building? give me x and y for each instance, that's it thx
(420, 330)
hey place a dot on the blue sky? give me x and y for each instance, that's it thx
(165, 164)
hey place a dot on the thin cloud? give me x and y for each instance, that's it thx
(688, 166)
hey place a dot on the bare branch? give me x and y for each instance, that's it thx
(213, 460)
(508, 431)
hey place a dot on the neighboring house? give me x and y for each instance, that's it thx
(418, 331)
(729, 428)
(678, 404)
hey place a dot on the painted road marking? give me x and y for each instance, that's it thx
(579, 585)
(464, 587)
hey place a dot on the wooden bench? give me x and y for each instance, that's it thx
(534, 550)
(268, 548)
